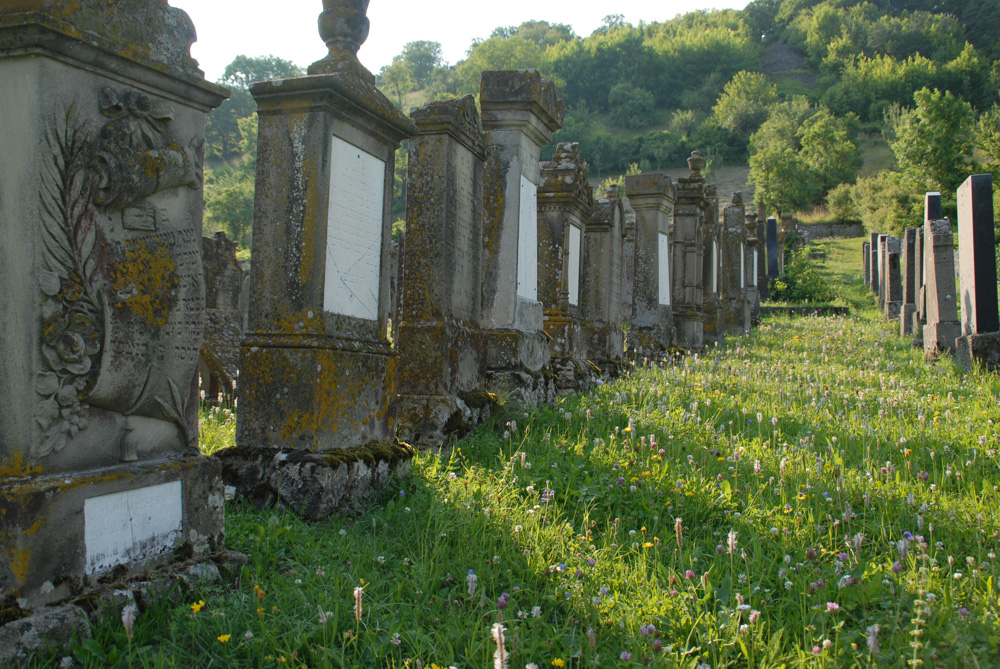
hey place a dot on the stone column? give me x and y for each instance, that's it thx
(883, 252)
(773, 250)
(893, 280)
(565, 201)
(760, 261)
(602, 282)
(103, 304)
(714, 328)
(873, 245)
(734, 283)
(942, 313)
(866, 262)
(520, 114)
(657, 247)
(318, 373)
(909, 244)
(980, 338)
(628, 261)
(918, 321)
(440, 344)
(754, 266)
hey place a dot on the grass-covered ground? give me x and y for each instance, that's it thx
(813, 495)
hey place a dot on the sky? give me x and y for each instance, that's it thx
(287, 29)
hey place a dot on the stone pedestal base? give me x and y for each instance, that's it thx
(572, 375)
(940, 337)
(531, 389)
(906, 319)
(734, 316)
(513, 349)
(892, 310)
(605, 342)
(315, 399)
(434, 420)
(79, 526)
(981, 349)
(314, 485)
(566, 334)
(690, 333)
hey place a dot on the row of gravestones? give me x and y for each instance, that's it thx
(914, 278)
(508, 265)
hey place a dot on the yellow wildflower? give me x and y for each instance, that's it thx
(223, 639)
(197, 606)
(558, 663)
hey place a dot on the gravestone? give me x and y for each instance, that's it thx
(100, 262)
(628, 260)
(318, 371)
(219, 364)
(908, 251)
(866, 262)
(893, 280)
(602, 282)
(736, 310)
(714, 327)
(980, 338)
(520, 113)
(873, 245)
(883, 262)
(942, 326)
(755, 268)
(440, 344)
(761, 258)
(932, 206)
(565, 202)
(773, 252)
(659, 259)
(918, 286)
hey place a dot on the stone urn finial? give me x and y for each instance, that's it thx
(343, 25)
(697, 164)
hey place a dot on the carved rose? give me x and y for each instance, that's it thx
(68, 342)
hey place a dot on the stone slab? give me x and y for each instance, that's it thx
(978, 349)
(940, 337)
(977, 252)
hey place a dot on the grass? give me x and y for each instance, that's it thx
(814, 494)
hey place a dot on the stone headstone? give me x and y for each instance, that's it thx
(977, 251)
(908, 251)
(866, 262)
(101, 197)
(980, 339)
(894, 282)
(755, 266)
(883, 261)
(773, 252)
(873, 245)
(658, 260)
(932, 206)
(440, 344)
(318, 371)
(942, 326)
(918, 283)
(565, 202)
(714, 327)
(603, 270)
(218, 369)
(520, 113)
(736, 311)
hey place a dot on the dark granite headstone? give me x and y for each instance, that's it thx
(977, 256)
(873, 247)
(866, 262)
(772, 247)
(932, 206)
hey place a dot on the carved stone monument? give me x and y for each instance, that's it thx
(736, 309)
(893, 297)
(520, 114)
(980, 338)
(100, 262)
(565, 201)
(712, 270)
(317, 369)
(602, 282)
(773, 252)
(656, 255)
(866, 262)
(754, 266)
(908, 253)
(942, 310)
(440, 344)
(224, 288)
(873, 246)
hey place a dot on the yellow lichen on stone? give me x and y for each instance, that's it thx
(146, 281)
(18, 466)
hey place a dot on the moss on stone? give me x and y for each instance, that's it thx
(481, 399)
(371, 454)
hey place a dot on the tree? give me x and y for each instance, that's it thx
(245, 70)
(496, 53)
(934, 140)
(631, 105)
(744, 102)
(422, 58)
(395, 79)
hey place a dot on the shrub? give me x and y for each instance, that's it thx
(801, 281)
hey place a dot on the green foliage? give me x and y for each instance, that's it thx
(496, 53)
(229, 197)
(934, 141)
(630, 105)
(245, 70)
(840, 203)
(889, 202)
(743, 105)
(801, 281)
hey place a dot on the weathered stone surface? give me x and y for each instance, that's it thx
(658, 246)
(736, 306)
(893, 280)
(977, 251)
(873, 246)
(978, 349)
(603, 280)
(866, 262)
(442, 348)
(713, 326)
(755, 266)
(317, 370)
(315, 485)
(100, 193)
(939, 265)
(47, 627)
(773, 251)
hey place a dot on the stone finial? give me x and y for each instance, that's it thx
(697, 163)
(343, 25)
(614, 192)
(566, 174)
(737, 198)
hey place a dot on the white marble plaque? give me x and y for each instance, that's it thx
(527, 242)
(133, 525)
(354, 232)
(664, 265)
(753, 279)
(573, 273)
(715, 267)
(743, 266)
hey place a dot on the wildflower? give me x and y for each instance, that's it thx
(625, 655)
(470, 582)
(872, 633)
(897, 567)
(689, 574)
(358, 594)
(832, 606)
(248, 635)
(128, 618)
(532, 665)
(558, 663)
(199, 605)
(731, 542)
(754, 615)
(963, 612)
(66, 663)
(502, 600)
(536, 612)
(592, 637)
(223, 639)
